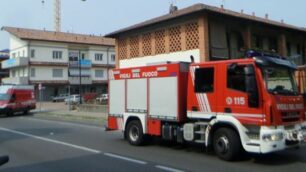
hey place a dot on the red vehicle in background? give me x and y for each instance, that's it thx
(16, 98)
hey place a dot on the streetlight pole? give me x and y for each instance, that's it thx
(80, 84)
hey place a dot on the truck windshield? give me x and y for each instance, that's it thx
(4, 96)
(280, 81)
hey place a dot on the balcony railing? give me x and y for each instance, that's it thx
(76, 80)
(83, 63)
(15, 62)
(24, 80)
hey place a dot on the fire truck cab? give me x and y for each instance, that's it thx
(250, 104)
(301, 78)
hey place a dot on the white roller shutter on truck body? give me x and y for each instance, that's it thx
(154, 90)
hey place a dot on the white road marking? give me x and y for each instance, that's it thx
(125, 158)
(64, 123)
(168, 168)
(52, 141)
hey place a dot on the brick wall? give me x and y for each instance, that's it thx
(167, 39)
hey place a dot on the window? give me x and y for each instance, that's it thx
(298, 49)
(257, 42)
(99, 73)
(13, 73)
(113, 57)
(57, 73)
(83, 56)
(236, 78)
(204, 80)
(33, 72)
(18, 54)
(218, 41)
(288, 45)
(273, 44)
(14, 55)
(57, 55)
(32, 53)
(23, 53)
(99, 57)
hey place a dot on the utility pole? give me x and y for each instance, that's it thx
(57, 15)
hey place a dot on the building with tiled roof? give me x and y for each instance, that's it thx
(4, 55)
(206, 33)
(58, 60)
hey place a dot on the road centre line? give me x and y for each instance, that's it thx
(125, 158)
(168, 168)
(52, 141)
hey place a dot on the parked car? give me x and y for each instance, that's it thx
(102, 97)
(73, 99)
(88, 97)
(60, 98)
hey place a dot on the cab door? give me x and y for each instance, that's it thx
(202, 96)
(241, 95)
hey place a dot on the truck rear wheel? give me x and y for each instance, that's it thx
(134, 133)
(9, 113)
(26, 112)
(226, 143)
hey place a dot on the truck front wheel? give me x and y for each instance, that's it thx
(226, 143)
(134, 133)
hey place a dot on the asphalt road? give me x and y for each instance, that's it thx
(42, 145)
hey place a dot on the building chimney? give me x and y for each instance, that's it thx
(282, 21)
(253, 14)
(267, 16)
(222, 7)
(242, 11)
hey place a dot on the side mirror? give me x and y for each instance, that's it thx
(232, 67)
(4, 159)
(13, 98)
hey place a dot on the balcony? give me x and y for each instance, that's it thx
(16, 80)
(15, 62)
(76, 80)
(84, 64)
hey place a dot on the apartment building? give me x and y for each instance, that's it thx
(58, 61)
(4, 55)
(206, 33)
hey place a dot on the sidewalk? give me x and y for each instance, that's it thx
(60, 111)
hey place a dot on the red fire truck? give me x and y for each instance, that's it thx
(249, 104)
(301, 78)
(16, 98)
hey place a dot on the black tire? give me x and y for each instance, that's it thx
(226, 144)
(9, 113)
(25, 112)
(134, 133)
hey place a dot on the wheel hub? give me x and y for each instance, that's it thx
(223, 144)
(134, 133)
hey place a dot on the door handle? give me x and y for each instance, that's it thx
(194, 108)
(227, 110)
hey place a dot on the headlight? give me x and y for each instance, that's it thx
(273, 137)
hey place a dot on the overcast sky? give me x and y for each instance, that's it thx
(104, 16)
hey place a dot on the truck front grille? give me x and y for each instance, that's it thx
(290, 116)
